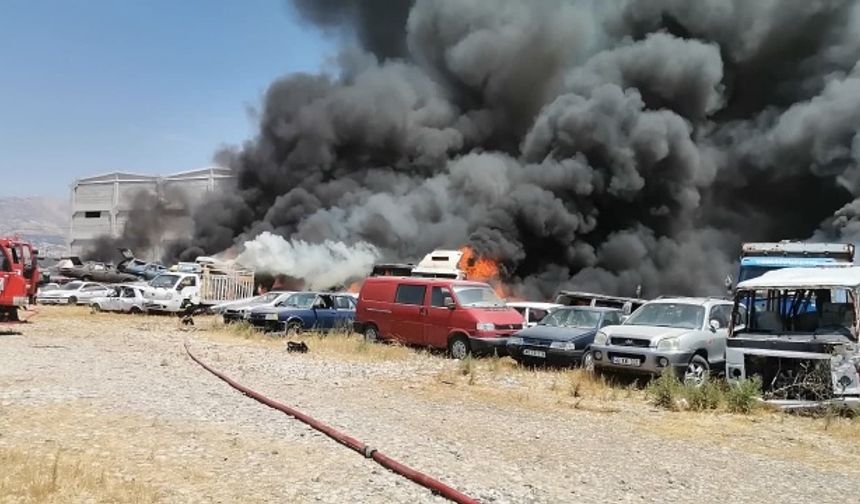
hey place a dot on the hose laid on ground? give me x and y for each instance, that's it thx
(422, 479)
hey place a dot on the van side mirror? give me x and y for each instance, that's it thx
(624, 318)
(449, 303)
(714, 324)
(627, 308)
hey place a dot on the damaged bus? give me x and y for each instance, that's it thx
(799, 336)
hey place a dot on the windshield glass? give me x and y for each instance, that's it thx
(585, 319)
(477, 295)
(268, 297)
(748, 272)
(72, 286)
(680, 315)
(164, 281)
(804, 311)
(301, 300)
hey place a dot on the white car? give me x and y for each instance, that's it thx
(74, 293)
(532, 312)
(238, 311)
(124, 298)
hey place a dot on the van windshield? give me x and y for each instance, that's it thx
(477, 295)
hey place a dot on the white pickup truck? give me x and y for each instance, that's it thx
(171, 292)
(174, 291)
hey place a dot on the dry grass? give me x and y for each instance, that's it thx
(504, 383)
(337, 344)
(63, 477)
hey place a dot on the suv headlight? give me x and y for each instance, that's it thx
(563, 345)
(515, 340)
(668, 344)
(485, 326)
(600, 338)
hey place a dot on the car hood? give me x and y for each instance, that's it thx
(498, 316)
(555, 333)
(653, 333)
(268, 309)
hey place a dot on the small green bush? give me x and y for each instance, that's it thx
(707, 397)
(665, 390)
(742, 397)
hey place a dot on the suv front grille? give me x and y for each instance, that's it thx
(631, 342)
(508, 327)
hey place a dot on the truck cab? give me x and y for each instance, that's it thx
(19, 276)
(172, 292)
(799, 337)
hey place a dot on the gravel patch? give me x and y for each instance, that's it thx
(196, 439)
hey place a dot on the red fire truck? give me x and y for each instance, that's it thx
(19, 277)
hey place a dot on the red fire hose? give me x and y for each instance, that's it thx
(422, 479)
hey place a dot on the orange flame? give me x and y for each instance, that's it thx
(354, 287)
(483, 269)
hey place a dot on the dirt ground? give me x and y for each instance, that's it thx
(108, 408)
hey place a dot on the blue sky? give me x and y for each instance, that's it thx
(153, 86)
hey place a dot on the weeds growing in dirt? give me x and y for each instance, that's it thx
(743, 396)
(668, 392)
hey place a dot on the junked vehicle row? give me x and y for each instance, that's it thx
(794, 328)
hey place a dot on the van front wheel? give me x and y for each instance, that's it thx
(371, 334)
(458, 347)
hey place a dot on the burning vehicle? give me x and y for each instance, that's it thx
(799, 336)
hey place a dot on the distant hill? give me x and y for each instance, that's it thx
(41, 220)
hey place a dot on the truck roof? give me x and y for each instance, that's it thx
(795, 278)
(799, 249)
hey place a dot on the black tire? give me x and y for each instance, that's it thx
(697, 372)
(458, 347)
(95, 308)
(293, 328)
(587, 362)
(135, 310)
(371, 334)
(73, 301)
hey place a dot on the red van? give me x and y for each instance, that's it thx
(464, 317)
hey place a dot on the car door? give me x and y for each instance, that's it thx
(344, 311)
(126, 299)
(325, 312)
(407, 313)
(437, 321)
(112, 301)
(716, 342)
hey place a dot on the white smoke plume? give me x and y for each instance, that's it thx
(320, 265)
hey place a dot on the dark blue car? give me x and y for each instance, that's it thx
(305, 311)
(563, 337)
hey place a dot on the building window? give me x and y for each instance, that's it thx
(92, 215)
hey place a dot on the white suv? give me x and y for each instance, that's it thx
(684, 334)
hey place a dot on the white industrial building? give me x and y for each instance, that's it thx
(101, 204)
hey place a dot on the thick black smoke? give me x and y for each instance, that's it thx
(151, 217)
(596, 145)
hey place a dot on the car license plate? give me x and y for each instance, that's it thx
(534, 353)
(271, 316)
(626, 361)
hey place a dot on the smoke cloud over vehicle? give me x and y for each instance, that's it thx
(585, 144)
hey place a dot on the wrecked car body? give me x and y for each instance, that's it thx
(799, 336)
